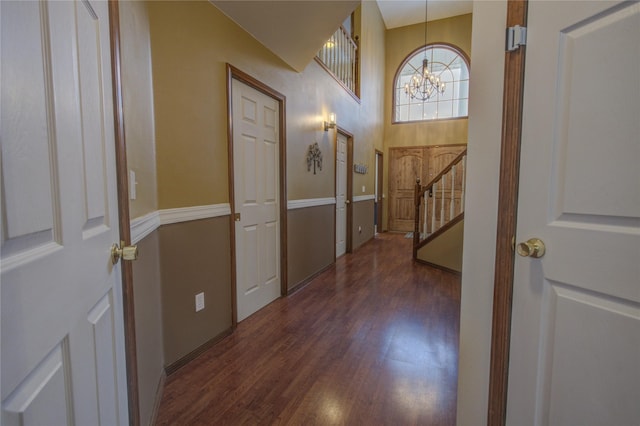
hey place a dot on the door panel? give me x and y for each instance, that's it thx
(47, 386)
(575, 344)
(256, 183)
(62, 329)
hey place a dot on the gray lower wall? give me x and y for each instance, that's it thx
(195, 258)
(363, 226)
(446, 249)
(148, 316)
(310, 242)
(177, 261)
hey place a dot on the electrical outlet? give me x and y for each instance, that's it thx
(199, 302)
(363, 189)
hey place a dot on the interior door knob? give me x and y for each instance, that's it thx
(124, 252)
(347, 202)
(533, 247)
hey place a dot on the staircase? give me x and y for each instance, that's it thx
(439, 217)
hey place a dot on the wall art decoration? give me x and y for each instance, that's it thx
(314, 158)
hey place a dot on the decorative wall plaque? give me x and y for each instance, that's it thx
(314, 158)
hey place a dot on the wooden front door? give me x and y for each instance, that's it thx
(63, 358)
(575, 336)
(405, 166)
(256, 198)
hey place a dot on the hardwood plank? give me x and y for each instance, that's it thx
(371, 340)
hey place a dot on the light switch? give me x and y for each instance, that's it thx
(132, 184)
(199, 302)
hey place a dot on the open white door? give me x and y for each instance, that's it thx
(341, 194)
(575, 337)
(63, 357)
(256, 198)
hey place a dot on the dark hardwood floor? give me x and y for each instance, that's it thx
(371, 341)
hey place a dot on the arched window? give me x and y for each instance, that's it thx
(451, 66)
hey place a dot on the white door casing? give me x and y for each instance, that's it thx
(575, 337)
(63, 359)
(341, 194)
(256, 198)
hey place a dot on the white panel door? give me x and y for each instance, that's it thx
(256, 194)
(575, 338)
(62, 330)
(341, 195)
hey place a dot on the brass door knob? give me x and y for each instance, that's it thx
(124, 252)
(347, 202)
(533, 247)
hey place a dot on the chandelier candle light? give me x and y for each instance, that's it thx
(424, 84)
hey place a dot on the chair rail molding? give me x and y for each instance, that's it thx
(144, 225)
(310, 202)
(359, 198)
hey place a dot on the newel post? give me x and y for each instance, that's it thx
(416, 218)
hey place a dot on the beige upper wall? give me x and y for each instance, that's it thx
(137, 90)
(371, 113)
(400, 43)
(191, 44)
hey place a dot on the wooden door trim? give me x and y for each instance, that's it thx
(124, 222)
(349, 196)
(507, 216)
(235, 73)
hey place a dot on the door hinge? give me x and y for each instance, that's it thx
(516, 37)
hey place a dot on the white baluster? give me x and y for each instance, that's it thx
(339, 55)
(464, 182)
(426, 206)
(452, 207)
(444, 184)
(434, 188)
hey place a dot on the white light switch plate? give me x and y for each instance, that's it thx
(132, 185)
(199, 302)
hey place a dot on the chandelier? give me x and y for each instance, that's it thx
(424, 84)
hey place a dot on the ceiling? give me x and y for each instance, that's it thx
(399, 13)
(292, 29)
(295, 30)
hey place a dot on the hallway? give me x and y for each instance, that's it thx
(372, 340)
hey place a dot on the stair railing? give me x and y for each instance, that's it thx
(440, 203)
(339, 56)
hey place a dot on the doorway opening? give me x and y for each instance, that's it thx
(378, 207)
(258, 220)
(344, 192)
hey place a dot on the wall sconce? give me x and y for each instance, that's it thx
(331, 124)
